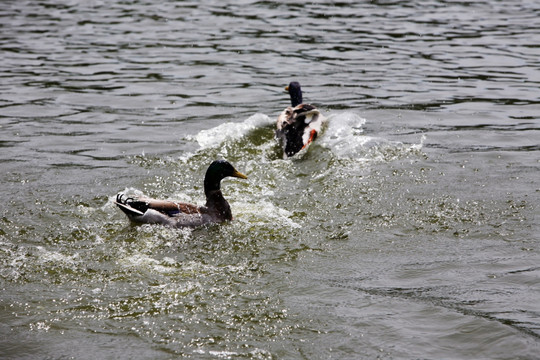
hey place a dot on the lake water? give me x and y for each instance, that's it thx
(410, 229)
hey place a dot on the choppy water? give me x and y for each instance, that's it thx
(409, 230)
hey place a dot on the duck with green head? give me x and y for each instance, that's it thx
(178, 214)
(299, 124)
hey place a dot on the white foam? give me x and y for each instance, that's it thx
(346, 139)
(56, 257)
(230, 130)
(264, 212)
(344, 134)
(146, 261)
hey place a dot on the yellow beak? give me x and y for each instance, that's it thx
(238, 174)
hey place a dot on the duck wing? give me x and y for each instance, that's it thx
(135, 208)
(171, 208)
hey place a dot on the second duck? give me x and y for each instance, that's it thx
(299, 124)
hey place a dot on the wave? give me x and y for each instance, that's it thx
(264, 212)
(230, 131)
(346, 139)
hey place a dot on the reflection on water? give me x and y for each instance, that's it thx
(408, 230)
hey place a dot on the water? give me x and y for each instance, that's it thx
(409, 229)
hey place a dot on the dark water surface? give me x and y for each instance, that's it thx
(409, 230)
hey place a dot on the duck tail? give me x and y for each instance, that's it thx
(129, 205)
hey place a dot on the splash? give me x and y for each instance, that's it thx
(346, 139)
(343, 136)
(264, 213)
(230, 131)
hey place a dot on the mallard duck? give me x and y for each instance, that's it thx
(177, 214)
(299, 124)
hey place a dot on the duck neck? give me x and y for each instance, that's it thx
(296, 98)
(215, 201)
(211, 185)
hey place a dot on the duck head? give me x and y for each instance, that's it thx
(295, 92)
(217, 171)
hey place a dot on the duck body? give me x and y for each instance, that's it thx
(299, 124)
(177, 214)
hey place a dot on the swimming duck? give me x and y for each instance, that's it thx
(177, 214)
(299, 124)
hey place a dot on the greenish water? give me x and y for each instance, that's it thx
(408, 230)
